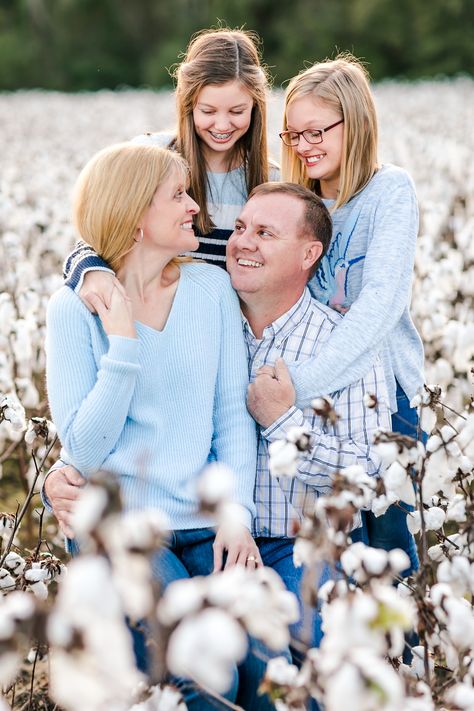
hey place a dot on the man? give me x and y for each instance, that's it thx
(278, 240)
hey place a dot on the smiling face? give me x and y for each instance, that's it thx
(268, 254)
(168, 221)
(322, 161)
(221, 116)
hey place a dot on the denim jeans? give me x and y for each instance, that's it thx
(189, 553)
(277, 553)
(390, 530)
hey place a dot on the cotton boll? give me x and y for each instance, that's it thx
(434, 518)
(161, 698)
(216, 484)
(398, 560)
(205, 647)
(7, 582)
(15, 563)
(381, 503)
(428, 419)
(458, 573)
(387, 451)
(92, 657)
(398, 481)
(181, 598)
(456, 510)
(88, 510)
(281, 672)
(39, 589)
(461, 695)
(283, 458)
(35, 573)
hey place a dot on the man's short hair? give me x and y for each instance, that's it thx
(316, 224)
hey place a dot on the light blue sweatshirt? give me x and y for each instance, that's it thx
(156, 409)
(369, 268)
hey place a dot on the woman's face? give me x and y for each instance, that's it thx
(221, 116)
(322, 161)
(168, 222)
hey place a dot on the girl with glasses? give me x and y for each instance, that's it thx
(329, 144)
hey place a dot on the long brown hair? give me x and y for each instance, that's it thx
(218, 56)
(343, 84)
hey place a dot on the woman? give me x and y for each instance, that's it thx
(221, 132)
(330, 145)
(153, 387)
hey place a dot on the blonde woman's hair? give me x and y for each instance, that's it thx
(217, 56)
(343, 84)
(114, 190)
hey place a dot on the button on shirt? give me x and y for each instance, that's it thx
(297, 336)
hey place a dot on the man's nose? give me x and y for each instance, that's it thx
(246, 240)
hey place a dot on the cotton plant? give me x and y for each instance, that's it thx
(242, 602)
(364, 615)
(92, 661)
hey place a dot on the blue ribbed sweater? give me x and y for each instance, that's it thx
(154, 410)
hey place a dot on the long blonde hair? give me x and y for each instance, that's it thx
(216, 57)
(113, 191)
(343, 84)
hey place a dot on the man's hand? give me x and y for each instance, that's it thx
(63, 487)
(240, 546)
(271, 394)
(100, 284)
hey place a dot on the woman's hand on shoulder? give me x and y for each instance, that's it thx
(117, 317)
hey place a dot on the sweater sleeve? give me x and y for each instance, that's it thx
(89, 402)
(82, 259)
(234, 439)
(385, 293)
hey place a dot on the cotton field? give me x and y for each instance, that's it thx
(426, 127)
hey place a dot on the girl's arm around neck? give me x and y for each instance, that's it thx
(385, 294)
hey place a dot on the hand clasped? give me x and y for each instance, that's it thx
(271, 394)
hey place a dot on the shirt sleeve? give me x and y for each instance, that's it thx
(348, 442)
(82, 259)
(89, 401)
(234, 439)
(385, 294)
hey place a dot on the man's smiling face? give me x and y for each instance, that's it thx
(266, 251)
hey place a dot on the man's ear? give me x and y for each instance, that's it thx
(312, 253)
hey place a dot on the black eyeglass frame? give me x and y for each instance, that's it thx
(319, 131)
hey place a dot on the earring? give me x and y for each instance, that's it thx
(140, 239)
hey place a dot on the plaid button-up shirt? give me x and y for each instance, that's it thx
(296, 336)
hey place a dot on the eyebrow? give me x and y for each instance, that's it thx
(261, 226)
(211, 106)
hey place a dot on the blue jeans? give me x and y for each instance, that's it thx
(189, 553)
(277, 553)
(390, 530)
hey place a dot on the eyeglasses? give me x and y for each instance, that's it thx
(311, 135)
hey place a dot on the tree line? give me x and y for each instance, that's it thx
(74, 45)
